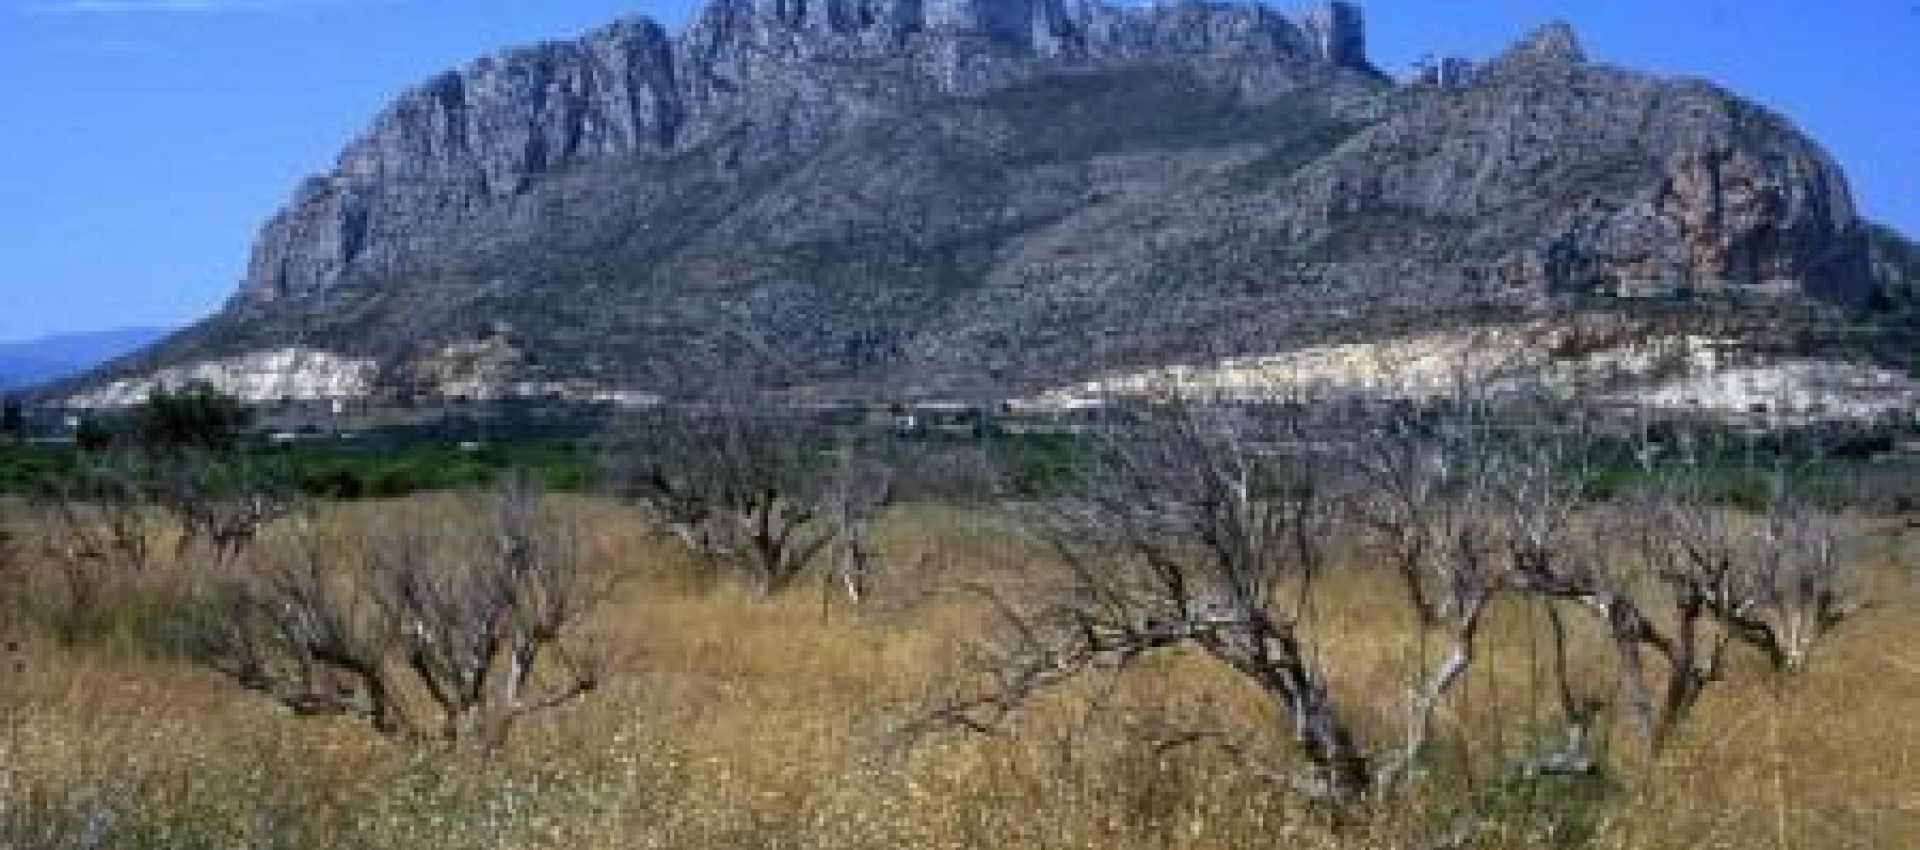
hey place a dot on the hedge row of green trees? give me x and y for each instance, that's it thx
(199, 420)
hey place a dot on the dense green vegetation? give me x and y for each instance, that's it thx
(1862, 467)
(196, 417)
(345, 469)
(960, 456)
(560, 449)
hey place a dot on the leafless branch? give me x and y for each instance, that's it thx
(428, 634)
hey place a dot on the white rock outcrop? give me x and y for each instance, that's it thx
(286, 374)
(1621, 368)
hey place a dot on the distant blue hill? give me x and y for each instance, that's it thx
(26, 364)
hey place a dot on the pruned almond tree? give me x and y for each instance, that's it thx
(97, 528)
(1676, 578)
(857, 491)
(449, 635)
(1192, 529)
(1423, 501)
(219, 502)
(758, 494)
(1212, 527)
(103, 525)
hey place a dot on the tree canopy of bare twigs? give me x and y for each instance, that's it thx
(759, 494)
(1213, 527)
(1189, 530)
(422, 631)
(104, 524)
(219, 502)
(178, 468)
(97, 528)
(857, 490)
(1674, 576)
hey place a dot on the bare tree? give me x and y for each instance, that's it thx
(97, 529)
(1778, 579)
(754, 492)
(486, 638)
(219, 500)
(428, 635)
(1211, 526)
(857, 491)
(1674, 576)
(1426, 480)
(103, 524)
(299, 627)
(1194, 528)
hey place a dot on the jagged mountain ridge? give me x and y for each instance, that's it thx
(488, 132)
(984, 195)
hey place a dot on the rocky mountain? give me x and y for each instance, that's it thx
(1896, 267)
(886, 198)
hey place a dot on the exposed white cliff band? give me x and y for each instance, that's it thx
(484, 371)
(287, 374)
(1671, 372)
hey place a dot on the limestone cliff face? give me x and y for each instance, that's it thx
(1738, 196)
(941, 196)
(494, 129)
(1601, 178)
(466, 139)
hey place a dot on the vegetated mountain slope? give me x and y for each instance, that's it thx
(25, 364)
(872, 198)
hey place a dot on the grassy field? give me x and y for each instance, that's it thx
(729, 723)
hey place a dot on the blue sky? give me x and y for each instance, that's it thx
(145, 141)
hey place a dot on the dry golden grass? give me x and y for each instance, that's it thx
(731, 724)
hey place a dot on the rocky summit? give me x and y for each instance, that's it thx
(899, 198)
